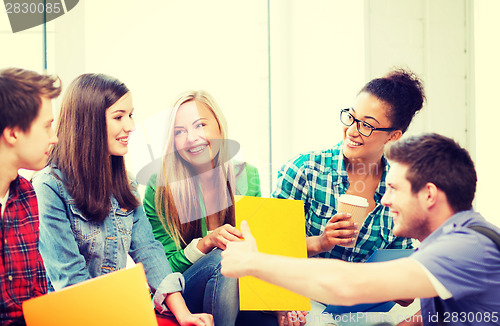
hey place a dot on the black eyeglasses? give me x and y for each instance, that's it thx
(364, 128)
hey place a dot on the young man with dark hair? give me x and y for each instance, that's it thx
(456, 270)
(26, 136)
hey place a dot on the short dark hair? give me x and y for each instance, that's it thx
(439, 160)
(20, 96)
(403, 91)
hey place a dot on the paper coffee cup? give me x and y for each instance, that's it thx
(356, 206)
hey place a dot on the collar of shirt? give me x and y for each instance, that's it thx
(457, 220)
(14, 185)
(12, 193)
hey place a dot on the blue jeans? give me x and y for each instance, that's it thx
(208, 291)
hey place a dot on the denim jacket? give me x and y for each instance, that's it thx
(75, 249)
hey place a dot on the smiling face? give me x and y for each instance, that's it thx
(119, 124)
(372, 110)
(33, 146)
(195, 129)
(407, 209)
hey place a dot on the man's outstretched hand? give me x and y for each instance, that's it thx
(236, 259)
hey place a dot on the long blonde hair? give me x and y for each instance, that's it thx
(178, 191)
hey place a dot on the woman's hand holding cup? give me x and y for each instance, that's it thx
(340, 230)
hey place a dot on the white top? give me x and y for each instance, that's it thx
(192, 252)
(3, 201)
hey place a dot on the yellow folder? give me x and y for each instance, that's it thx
(278, 226)
(117, 298)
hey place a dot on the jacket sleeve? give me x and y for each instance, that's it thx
(176, 257)
(63, 262)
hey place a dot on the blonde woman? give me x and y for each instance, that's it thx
(190, 202)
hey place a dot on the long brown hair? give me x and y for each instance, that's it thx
(178, 190)
(90, 174)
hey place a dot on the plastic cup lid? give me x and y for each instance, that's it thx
(353, 200)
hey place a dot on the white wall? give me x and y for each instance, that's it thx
(25, 48)
(317, 68)
(167, 47)
(450, 43)
(430, 38)
(487, 87)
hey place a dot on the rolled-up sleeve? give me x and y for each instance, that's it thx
(172, 283)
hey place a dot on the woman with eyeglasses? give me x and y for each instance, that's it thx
(381, 113)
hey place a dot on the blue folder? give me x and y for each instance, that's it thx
(378, 256)
(389, 254)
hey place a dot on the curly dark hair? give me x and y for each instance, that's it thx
(403, 91)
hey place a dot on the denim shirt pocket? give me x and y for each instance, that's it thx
(85, 231)
(124, 224)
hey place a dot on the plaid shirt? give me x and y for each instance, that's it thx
(22, 273)
(318, 179)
